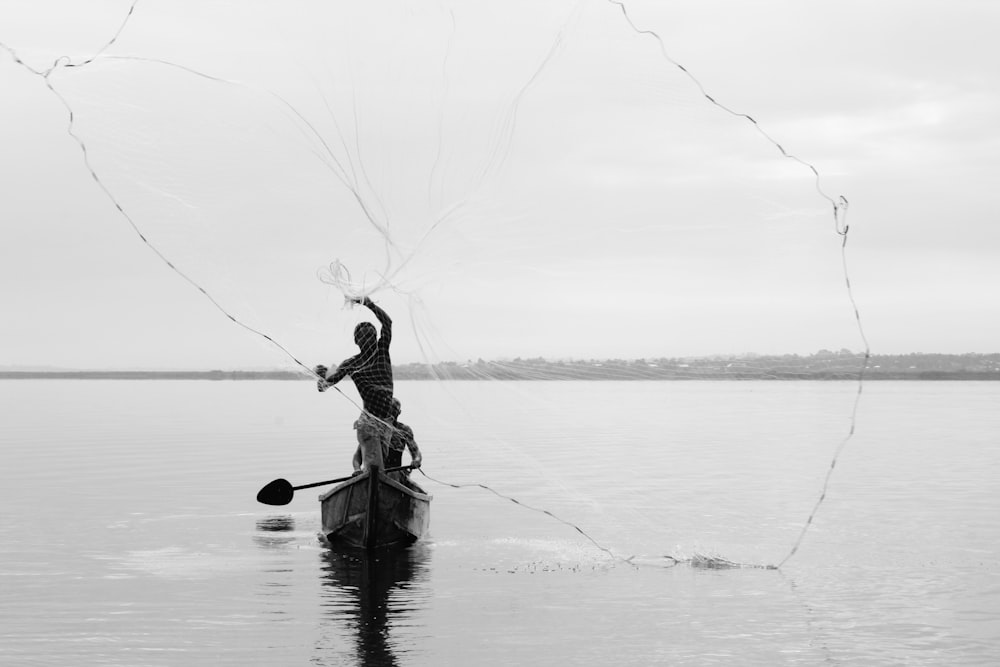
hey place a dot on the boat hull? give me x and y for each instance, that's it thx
(387, 513)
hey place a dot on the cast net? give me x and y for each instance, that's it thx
(533, 190)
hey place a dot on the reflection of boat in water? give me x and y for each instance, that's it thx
(380, 585)
(374, 510)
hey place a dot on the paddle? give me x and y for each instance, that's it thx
(280, 491)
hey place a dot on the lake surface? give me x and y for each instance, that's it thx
(129, 533)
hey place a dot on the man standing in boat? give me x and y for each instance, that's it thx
(371, 371)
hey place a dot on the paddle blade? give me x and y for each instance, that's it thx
(278, 492)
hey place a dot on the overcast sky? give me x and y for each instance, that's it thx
(511, 179)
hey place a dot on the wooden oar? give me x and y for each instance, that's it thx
(280, 491)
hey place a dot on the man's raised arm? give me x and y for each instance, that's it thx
(383, 318)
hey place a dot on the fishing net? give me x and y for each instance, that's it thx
(532, 190)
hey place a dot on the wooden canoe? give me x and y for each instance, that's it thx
(374, 510)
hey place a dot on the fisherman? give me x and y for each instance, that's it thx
(402, 438)
(371, 371)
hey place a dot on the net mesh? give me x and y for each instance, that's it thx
(502, 179)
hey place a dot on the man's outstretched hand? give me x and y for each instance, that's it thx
(321, 382)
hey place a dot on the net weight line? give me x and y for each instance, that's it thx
(839, 205)
(572, 525)
(698, 560)
(65, 62)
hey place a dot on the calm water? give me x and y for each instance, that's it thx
(129, 534)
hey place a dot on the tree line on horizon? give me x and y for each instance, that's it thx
(824, 365)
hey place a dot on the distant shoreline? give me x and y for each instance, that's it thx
(824, 365)
(238, 376)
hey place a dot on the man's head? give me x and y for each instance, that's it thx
(395, 408)
(365, 335)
